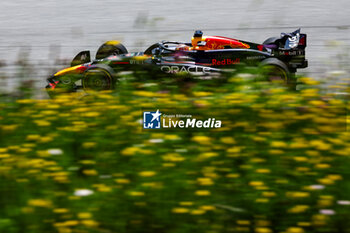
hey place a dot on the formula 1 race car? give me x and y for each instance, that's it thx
(279, 58)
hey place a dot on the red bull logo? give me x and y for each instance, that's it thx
(225, 62)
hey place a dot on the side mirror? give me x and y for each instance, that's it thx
(81, 58)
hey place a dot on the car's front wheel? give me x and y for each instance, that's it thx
(97, 79)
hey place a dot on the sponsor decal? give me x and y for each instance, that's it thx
(157, 120)
(224, 62)
(137, 62)
(255, 57)
(190, 69)
(292, 53)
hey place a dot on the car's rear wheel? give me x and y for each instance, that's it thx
(274, 70)
(97, 80)
(274, 73)
(109, 48)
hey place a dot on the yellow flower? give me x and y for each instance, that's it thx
(316, 102)
(201, 93)
(45, 139)
(104, 188)
(268, 194)
(3, 150)
(144, 93)
(243, 222)
(71, 223)
(60, 211)
(207, 207)
(173, 157)
(309, 81)
(122, 181)
(180, 210)
(207, 155)
(9, 127)
(197, 212)
(130, 151)
(300, 158)
(304, 224)
(205, 181)
(91, 114)
(278, 144)
(136, 193)
(33, 137)
(297, 194)
(262, 170)
(25, 101)
(335, 177)
(90, 172)
(171, 137)
(40, 203)
(147, 173)
(204, 140)
(84, 215)
(89, 223)
(326, 181)
(263, 230)
(234, 150)
(309, 92)
(88, 145)
(262, 200)
(233, 175)
(186, 203)
(228, 140)
(42, 123)
(322, 166)
(298, 209)
(256, 183)
(202, 193)
(295, 230)
(3, 156)
(324, 202)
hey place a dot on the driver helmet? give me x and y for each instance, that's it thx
(197, 36)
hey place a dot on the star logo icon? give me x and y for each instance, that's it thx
(156, 115)
(151, 120)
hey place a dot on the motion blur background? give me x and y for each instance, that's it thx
(38, 37)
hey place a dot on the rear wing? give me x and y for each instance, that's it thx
(294, 40)
(293, 51)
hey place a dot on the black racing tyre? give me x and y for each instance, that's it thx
(110, 48)
(97, 79)
(274, 70)
(149, 50)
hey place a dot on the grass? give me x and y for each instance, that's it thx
(279, 163)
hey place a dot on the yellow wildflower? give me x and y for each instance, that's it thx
(263, 230)
(204, 140)
(130, 151)
(202, 193)
(90, 172)
(147, 173)
(84, 215)
(180, 210)
(295, 230)
(40, 203)
(122, 181)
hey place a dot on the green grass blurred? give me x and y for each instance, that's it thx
(84, 164)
